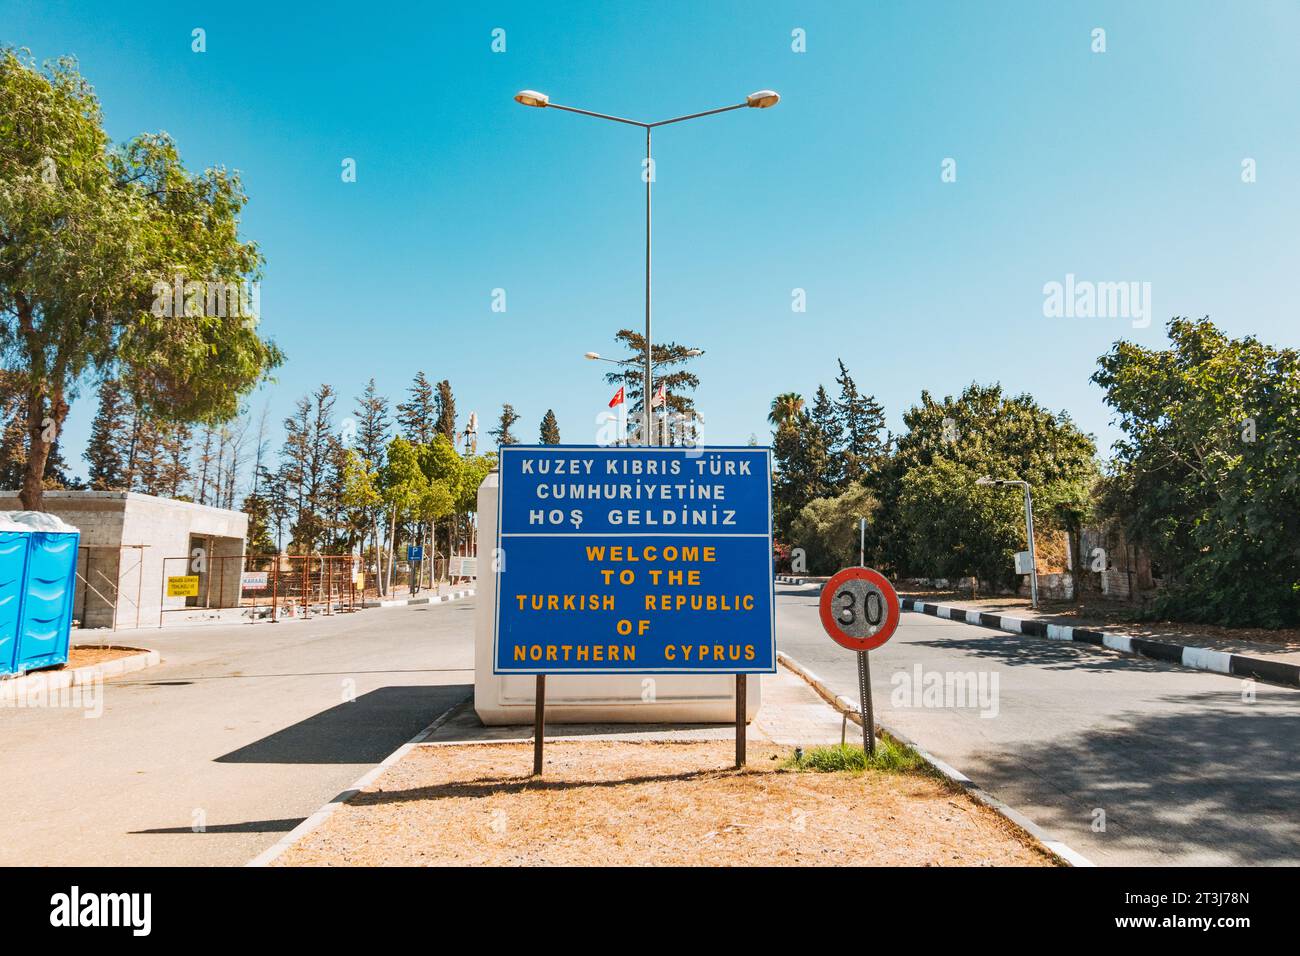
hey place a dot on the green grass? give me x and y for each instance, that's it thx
(890, 757)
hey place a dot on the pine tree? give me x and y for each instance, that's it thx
(507, 420)
(373, 425)
(825, 418)
(677, 384)
(550, 430)
(418, 416)
(862, 420)
(446, 405)
(147, 456)
(202, 475)
(103, 453)
(174, 472)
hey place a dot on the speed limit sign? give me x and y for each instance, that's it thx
(859, 609)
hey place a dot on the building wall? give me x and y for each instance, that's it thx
(110, 520)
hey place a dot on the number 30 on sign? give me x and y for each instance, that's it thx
(859, 609)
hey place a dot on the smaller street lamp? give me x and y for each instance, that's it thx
(1029, 528)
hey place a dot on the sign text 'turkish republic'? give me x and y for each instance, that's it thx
(634, 561)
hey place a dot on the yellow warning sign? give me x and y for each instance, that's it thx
(186, 585)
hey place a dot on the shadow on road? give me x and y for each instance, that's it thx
(1042, 652)
(249, 826)
(1206, 773)
(364, 731)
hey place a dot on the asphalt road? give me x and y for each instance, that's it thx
(1185, 771)
(245, 729)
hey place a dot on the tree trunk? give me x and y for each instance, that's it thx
(38, 447)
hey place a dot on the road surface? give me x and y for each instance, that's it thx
(1184, 770)
(244, 729)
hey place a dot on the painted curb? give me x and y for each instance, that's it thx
(430, 599)
(1184, 655)
(52, 680)
(273, 852)
(1055, 847)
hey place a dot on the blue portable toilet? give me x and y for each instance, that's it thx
(48, 586)
(13, 581)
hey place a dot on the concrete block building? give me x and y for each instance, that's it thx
(132, 543)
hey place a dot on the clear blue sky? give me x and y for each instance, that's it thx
(1122, 166)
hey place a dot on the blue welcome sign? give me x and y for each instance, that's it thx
(634, 561)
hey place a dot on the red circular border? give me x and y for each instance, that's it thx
(828, 615)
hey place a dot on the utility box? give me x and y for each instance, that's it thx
(1024, 564)
(38, 572)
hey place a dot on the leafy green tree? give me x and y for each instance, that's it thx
(935, 522)
(954, 528)
(827, 529)
(363, 499)
(550, 429)
(800, 469)
(1206, 475)
(259, 525)
(88, 235)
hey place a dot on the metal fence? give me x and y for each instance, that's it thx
(262, 587)
(269, 587)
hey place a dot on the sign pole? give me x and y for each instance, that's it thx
(741, 687)
(867, 710)
(539, 724)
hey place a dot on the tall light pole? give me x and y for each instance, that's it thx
(1029, 529)
(759, 100)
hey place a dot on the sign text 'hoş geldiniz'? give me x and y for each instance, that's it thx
(634, 561)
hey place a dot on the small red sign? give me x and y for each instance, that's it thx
(859, 609)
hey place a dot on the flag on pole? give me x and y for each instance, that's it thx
(660, 396)
(618, 398)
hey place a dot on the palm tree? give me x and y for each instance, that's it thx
(785, 407)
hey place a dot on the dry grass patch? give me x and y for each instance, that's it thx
(85, 656)
(647, 803)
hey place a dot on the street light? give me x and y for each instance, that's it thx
(1029, 528)
(597, 357)
(760, 99)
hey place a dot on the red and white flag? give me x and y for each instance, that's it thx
(660, 396)
(618, 398)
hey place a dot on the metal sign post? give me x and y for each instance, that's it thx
(864, 704)
(860, 610)
(741, 687)
(539, 723)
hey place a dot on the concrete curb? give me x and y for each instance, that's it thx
(273, 852)
(430, 599)
(1196, 658)
(52, 680)
(845, 706)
